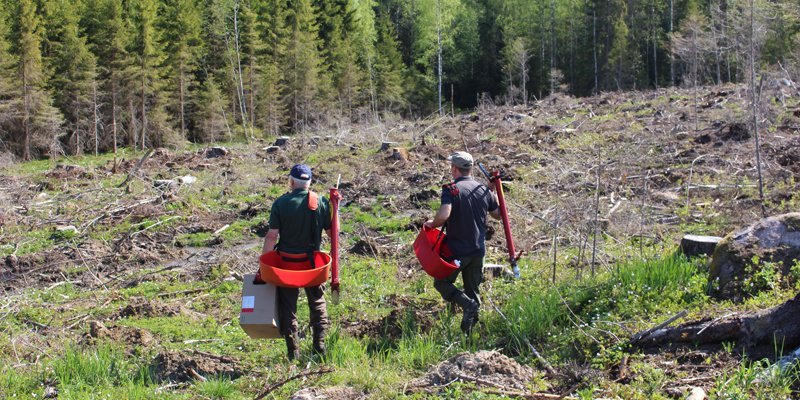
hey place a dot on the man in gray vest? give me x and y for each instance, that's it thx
(465, 205)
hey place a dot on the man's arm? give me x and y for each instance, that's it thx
(441, 216)
(496, 213)
(270, 240)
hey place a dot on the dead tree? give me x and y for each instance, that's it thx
(778, 325)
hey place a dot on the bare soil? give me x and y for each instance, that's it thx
(486, 365)
(182, 367)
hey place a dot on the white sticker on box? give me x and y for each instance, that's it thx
(248, 303)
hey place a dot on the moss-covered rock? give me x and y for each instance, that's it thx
(756, 257)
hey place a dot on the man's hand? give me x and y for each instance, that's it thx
(270, 240)
(428, 224)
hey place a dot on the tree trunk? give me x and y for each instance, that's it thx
(94, 117)
(144, 115)
(779, 325)
(439, 52)
(182, 96)
(594, 50)
(26, 140)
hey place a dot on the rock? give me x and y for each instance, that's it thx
(50, 392)
(187, 179)
(743, 253)
(216, 152)
(696, 394)
(281, 141)
(271, 149)
(165, 184)
(696, 245)
(67, 228)
(314, 140)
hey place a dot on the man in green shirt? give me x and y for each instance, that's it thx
(298, 218)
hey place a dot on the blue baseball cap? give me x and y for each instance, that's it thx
(301, 172)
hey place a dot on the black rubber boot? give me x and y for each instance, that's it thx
(292, 346)
(470, 308)
(319, 341)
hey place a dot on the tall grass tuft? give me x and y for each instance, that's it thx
(546, 311)
(101, 367)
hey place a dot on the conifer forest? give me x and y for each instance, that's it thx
(643, 157)
(91, 75)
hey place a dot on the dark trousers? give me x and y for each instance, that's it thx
(287, 309)
(471, 273)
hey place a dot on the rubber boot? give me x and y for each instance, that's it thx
(319, 341)
(470, 308)
(292, 346)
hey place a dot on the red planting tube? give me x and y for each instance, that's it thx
(335, 197)
(512, 253)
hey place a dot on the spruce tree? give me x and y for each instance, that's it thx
(271, 24)
(181, 25)
(108, 34)
(9, 94)
(73, 79)
(389, 68)
(38, 121)
(302, 62)
(146, 82)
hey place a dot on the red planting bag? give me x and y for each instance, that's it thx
(294, 270)
(430, 246)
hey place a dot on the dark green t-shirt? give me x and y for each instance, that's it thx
(292, 218)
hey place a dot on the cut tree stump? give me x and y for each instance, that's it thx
(387, 145)
(780, 324)
(281, 141)
(696, 245)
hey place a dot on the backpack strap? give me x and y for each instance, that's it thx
(452, 188)
(313, 243)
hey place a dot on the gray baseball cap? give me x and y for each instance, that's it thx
(461, 159)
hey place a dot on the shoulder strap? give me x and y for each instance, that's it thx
(452, 188)
(313, 200)
(313, 242)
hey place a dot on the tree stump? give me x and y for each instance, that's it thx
(216, 152)
(387, 145)
(696, 245)
(281, 141)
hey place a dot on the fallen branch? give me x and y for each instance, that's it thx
(197, 376)
(271, 388)
(641, 335)
(190, 291)
(136, 168)
(779, 324)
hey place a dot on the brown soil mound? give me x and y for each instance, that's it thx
(486, 365)
(132, 337)
(149, 309)
(179, 367)
(336, 392)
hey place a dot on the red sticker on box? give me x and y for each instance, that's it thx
(248, 303)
